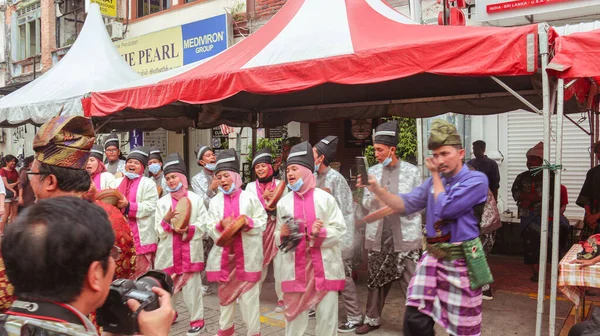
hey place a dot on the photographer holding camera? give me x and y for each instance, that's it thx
(62, 268)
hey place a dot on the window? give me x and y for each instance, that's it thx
(71, 15)
(146, 7)
(28, 31)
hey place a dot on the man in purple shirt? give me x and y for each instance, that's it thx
(447, 283)
(486, 165)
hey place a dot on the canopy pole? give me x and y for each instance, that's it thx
(517, 95)
(556, 216)
(543, 38)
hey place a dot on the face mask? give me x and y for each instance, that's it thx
(131, 175)
(176, 188)
(154, 168)
(296, 186)
(387, 160)
(317, 167)
(232, 189)
(211, 166)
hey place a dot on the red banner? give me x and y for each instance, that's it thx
(517, 4)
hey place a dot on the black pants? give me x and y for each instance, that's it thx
(417, 323)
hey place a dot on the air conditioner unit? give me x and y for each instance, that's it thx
(115, 29)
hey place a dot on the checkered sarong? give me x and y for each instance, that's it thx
(442, 290)
(574, 279)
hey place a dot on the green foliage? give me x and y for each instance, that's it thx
(407, 142)
(273, 144)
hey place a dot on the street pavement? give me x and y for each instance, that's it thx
(512, 312)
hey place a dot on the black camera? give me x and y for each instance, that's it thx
(116, 317)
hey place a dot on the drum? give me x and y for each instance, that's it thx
(290, 234)
(109, 196)
(231, 230)
(379, 214)
(277, 193)
(184, 210)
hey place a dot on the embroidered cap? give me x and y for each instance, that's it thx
(328, 147)
(64, 142)
(443, 133)
(228, 160)
(98, 152)
(262, 156)
(174, 164)
(302, 154)
(141, 154)
(111, 140)
(200, 151)
(387, 134)
(537, 150)
(155, 154)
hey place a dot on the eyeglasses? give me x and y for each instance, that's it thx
(115, 252)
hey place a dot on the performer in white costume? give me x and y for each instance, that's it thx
(155, 171)
(237, 267)
(114, 164)
(313, 273)
(179, 251)
(97, 170)
(139, 206)
(264, 188)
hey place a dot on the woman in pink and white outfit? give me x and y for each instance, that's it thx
(237, 268)
(313, 273)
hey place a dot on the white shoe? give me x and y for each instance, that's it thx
(207, 290)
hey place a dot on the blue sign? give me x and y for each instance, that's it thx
(204, 38)
(136, 139)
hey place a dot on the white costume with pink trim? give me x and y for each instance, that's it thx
(325, 267)
(237, 268)
(179, 254)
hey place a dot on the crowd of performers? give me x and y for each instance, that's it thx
(298, 216)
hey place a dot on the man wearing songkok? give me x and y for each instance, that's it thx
(236, 266)
(394, 242)
(527, 192)
(446, 286)
(264, 188)
(97, 170)
(179, 251)
(205, 185)
(155, 169)
(62, 149)
(333, 182)
(113, 155)
(139, 206)
(312, 271)
(589, 197)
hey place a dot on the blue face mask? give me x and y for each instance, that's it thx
(154, 168)
(131, 176)
(387, 160)
(296, 186)
(210, 166)
(317, 167)
(231, 189)
(176, 188)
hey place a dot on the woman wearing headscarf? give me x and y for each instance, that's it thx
(313, 272)
(236, 267)
(180, 253)
(139, 206)
(264, 189)
(155, 171)
(97, 170)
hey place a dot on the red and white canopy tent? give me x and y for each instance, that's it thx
(322, 60)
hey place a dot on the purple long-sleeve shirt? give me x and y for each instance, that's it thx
(454, 206)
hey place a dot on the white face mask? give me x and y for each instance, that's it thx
(210, 166)
(388, 159)
(179, 186)
(154, 168)
(296, 186)
(227, 192)
(131, 176)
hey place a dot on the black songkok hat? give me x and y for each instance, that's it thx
(200, 151)
(141, 154)
(302, 154)
(387, 134)
(111, 140)
(174, 164)
(262, 156)
(98, 152)
(228, 160)
(328, 147)
(155, 154)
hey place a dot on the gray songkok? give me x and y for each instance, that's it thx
(387, 134)
(302, 154)
(141, 154)
(228, 160)
(328, 148)
(174, 164)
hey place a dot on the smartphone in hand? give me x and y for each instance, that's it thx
(363, 167)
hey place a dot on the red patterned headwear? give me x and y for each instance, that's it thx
(64, 142)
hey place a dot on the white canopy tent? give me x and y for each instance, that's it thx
(92, 64)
